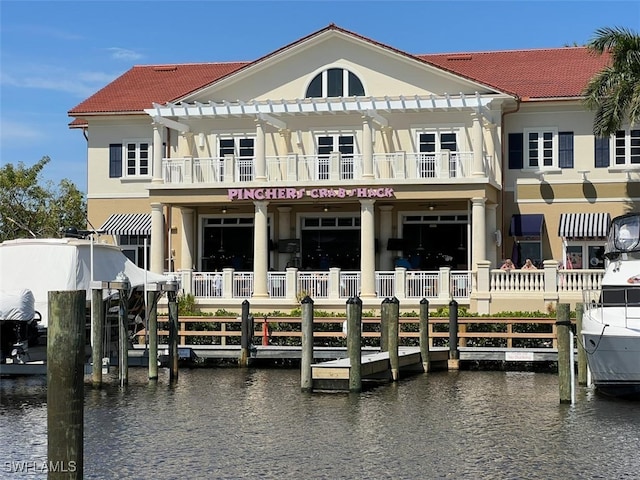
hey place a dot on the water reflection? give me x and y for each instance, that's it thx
(233, 423)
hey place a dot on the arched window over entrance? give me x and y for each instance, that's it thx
(335, 82)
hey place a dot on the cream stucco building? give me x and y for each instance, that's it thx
(338, 166)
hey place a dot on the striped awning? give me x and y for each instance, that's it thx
(584, 225)
(127, 224)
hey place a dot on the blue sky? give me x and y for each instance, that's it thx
(55, 54)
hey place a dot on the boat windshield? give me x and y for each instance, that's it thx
(624, 236)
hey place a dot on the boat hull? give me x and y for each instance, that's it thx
(614, 361)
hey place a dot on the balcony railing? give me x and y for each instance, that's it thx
(313, 168)
(440, 286)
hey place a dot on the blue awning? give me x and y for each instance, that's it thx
(526, 225)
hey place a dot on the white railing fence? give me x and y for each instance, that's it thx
(443, 285)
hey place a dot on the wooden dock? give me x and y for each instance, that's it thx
(375, 368)
(138, 356)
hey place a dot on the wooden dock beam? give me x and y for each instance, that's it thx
(97, 335)
(394, 338)
(354, 343)
(246, 335)
(565, 373)
(454, 353)
(173, 336)
(424, 334)
(582, 354)
(65, 383)
(306, 380)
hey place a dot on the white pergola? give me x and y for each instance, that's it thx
(273, 111)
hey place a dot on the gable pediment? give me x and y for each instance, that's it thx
(383, 71)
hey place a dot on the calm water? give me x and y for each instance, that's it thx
(231, 423)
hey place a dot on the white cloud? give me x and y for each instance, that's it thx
(45, 77)
(14, 132)
(124, 54)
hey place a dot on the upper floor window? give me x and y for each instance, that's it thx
(137, 158)
(541, 148)
(243, 150)
(335, 82)
(129, 159)
(626, 147)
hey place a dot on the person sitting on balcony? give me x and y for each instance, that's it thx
(528, 265)
(507, 265)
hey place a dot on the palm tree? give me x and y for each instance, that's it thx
(614, 92)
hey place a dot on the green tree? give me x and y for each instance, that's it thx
(614, 92)
(29, 208)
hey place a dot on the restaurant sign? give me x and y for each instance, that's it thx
(286, 193)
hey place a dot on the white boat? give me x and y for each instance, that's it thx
(43, 265)
(611, 320)
(18, 325)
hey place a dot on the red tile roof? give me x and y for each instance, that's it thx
(142, 85)
(527, 74)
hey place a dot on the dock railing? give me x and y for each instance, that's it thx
(498, 332)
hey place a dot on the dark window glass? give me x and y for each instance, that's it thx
(565, 149)
(315, 87)
(227, 147)
(448, 142)
(335, 82)
(427, 142)
(516, 150)
(601, 152)
(115, 160)
(246, 147)
(355, 86)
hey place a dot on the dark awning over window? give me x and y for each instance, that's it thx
(127, 224)
(584, 225)
(526, 225)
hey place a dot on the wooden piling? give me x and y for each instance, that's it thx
(394, 337)
(454, 353)
(306, 379)
(173, 336)
(123, 338)
(385, 312)
(424, 334)
(354, 343)
(65, 384)
(582, 354)
(563, 323)
(97, 336)
(245, 340)
(152, 329)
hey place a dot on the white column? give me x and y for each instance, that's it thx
(158, 151)
(260, 250)
(187, 244)
(367, 249)
(492, 246)
(284, 232)
(285, 134)
(386, 257)
(260, 156)
(157, 238)
(478, 232)
(478, 146)
(367, 149)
